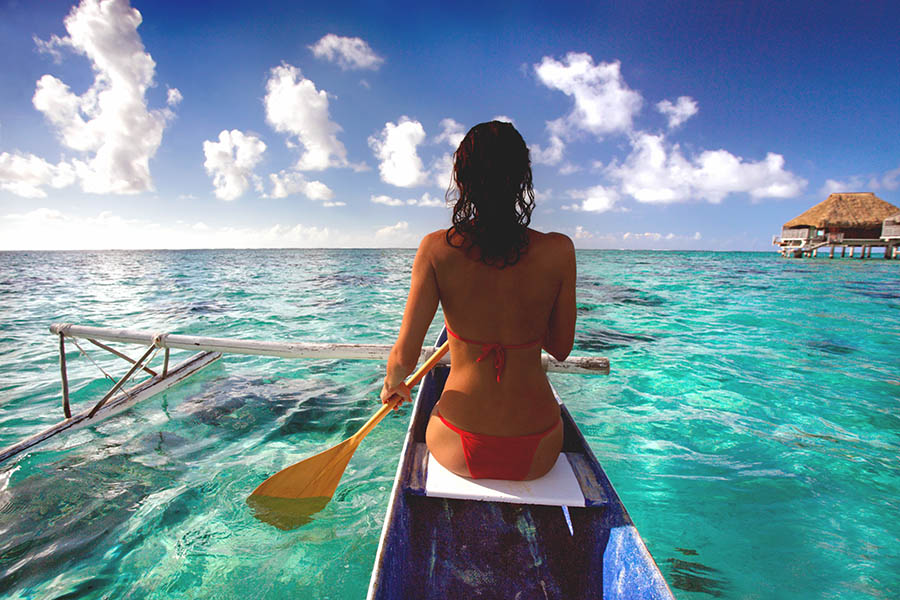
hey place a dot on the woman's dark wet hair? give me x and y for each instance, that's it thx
(493, 195)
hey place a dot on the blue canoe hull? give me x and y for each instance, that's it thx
(445, 548)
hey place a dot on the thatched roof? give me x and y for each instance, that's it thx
(846, 210)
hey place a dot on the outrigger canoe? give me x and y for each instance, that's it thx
(450, 537)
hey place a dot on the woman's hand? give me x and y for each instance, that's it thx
(390, 393)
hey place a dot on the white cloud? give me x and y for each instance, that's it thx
(452, 133)
(395, 147)
(348, 52)
(442, 170)
(286, 183)
(568, 168)
(38, 214)
(174, 97)
(426, 200)
(387, 201)
(639, 240)
(582, 234)
(657, 173)
(551, 155)
(330, 204)
(294, 106)
(683, 109)
(653, 236)
(27, 175)
(50, 229)
(47, 229)
(397, 234)
(442, 167)
(596, 199)
(50, 47)
(231, 161)
(853, 184)
(541, 196)
(504, 119)
(889, 180)
(430, 201)
(604, 104)
(110, 122)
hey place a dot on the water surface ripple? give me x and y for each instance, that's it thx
(751, 422)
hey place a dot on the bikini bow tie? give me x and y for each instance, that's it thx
(499, 356)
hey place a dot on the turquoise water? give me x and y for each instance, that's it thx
(751, 422)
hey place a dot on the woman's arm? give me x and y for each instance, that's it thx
(420, 308)
(561, 329)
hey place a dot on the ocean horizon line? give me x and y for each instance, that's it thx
(262, 248)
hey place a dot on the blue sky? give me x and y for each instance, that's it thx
(291, 124)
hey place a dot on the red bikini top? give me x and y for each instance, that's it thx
(497, 348)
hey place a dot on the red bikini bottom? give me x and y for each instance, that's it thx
(498, 457)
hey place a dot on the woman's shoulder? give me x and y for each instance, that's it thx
(434, 240)
(433, 244)
(553, 241)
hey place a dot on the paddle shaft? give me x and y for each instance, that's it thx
(411, 382)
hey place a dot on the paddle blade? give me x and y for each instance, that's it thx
(315, 477)
(291, 496)
(286, 513)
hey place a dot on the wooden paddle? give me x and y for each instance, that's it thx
(290, 496)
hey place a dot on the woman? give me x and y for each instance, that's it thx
(507, 291)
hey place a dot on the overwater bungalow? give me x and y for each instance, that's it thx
(844, 220)
(890, 232)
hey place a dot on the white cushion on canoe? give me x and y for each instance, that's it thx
(559, 487)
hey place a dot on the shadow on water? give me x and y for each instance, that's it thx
(881, 295)
(322, 414)
(882, 290)
(86, 588)
(71, 514)
(205, 307)
(239, 404)
(629, 296)
(831, 347)
(605, 339)
(694, 576)
(618, 294)
(214, 410)
(282, 407)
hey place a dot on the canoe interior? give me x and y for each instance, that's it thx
(445, 548)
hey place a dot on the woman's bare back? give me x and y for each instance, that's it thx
(527, 302)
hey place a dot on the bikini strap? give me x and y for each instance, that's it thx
(497, 348)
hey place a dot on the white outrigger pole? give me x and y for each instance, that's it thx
(209, 350)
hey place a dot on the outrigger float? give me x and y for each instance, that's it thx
(444, 536)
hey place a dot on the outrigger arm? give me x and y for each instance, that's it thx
(208, 351)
